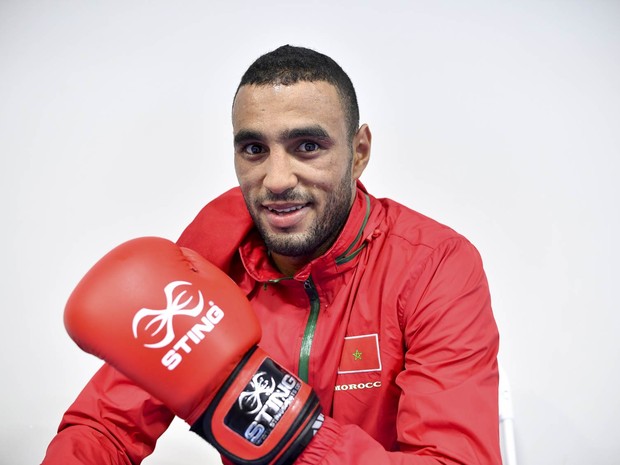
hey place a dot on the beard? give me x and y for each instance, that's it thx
(321, 234)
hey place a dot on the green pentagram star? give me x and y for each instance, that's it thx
(357, 355)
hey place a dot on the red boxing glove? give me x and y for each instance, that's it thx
(183, 331)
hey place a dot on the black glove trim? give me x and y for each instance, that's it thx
(300, 439)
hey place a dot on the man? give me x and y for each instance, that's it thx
(384, 312)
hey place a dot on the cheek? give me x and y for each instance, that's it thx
(327, 173)
(246, 176)
(238, 169)
(335, 176)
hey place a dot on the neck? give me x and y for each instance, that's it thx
(289, 266)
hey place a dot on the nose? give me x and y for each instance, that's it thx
(280, 174)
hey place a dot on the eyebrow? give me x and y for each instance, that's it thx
(246, 135)
(314, 132)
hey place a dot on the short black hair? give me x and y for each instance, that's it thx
(288, 65)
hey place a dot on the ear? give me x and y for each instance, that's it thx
(361, 150)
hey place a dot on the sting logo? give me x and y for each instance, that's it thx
(159, 323)
(263, 402)
(252, 401)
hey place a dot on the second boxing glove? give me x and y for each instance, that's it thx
(183, 331)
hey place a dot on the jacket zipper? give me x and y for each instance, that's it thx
(315, 304)
(306, 342)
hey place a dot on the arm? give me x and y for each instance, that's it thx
(112, 421)
(186, 333)
(448, 411)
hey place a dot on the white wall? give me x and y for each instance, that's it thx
(498, 118)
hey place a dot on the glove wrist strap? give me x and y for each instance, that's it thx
(262, 415)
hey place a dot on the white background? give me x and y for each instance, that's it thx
(498, 118)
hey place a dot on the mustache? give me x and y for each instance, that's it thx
(286, 196)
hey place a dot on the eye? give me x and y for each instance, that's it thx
(308, 147)
(253, 149)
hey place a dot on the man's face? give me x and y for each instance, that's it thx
(295, 164)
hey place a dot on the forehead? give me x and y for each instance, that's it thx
(262, 107)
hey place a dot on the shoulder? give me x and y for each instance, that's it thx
(415, 229)
(218, 229)
(416, 248)
(436, 271)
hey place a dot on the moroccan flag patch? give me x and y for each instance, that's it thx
(360, 354)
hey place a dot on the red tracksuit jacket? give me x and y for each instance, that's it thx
(392, 327)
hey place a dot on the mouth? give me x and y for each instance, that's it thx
(286, 216)
(283, 210)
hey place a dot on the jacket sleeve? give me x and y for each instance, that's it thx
(112, 421)
(448, 405)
